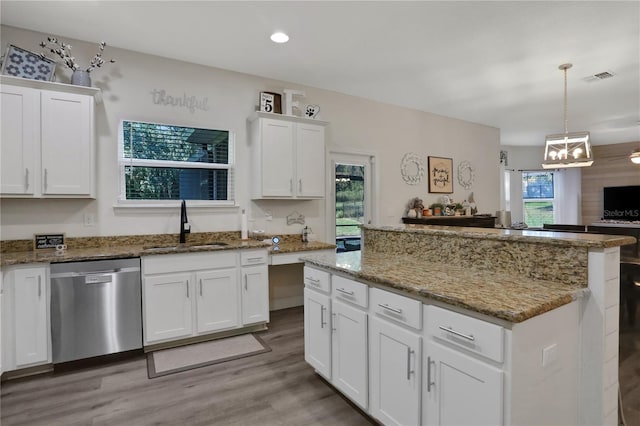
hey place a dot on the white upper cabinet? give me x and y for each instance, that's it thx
(288, 157)
(47, 146)
(20, 132)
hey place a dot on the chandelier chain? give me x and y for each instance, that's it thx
(566, 121)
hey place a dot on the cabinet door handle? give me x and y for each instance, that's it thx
(429, 381)
(26, 178)
(39, 286)
(187, 289)
(333, 321)
(457, 333)
(299, 185)
(46, 178)
(245, 282)
(385, 306)
(322, 323)
(291, 186)
(200, 287)
(342, 290)
(409, 370)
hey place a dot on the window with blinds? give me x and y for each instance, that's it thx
(166, 162)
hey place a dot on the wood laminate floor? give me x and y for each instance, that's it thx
(274, 388)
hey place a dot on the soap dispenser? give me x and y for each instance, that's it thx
(305, 234)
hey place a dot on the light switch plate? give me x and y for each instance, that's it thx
(89, 219)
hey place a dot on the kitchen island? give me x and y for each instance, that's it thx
(525, 323)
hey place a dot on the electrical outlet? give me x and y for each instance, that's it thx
(89, 219)
(268, 216)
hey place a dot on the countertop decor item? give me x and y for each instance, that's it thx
(63, 51)
(19, 62)
(440, 175)
(412, 168)
(466, 174)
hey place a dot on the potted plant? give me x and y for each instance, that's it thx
(436, 208)
(459, 209)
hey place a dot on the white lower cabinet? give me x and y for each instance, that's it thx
(217, 300)
(255, 290)
(26, 337)
(395, 365)
(168, 313)
(460, 390)
(349, 372)
(317, 331)
(192, 294)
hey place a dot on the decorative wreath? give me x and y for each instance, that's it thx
(466, 174)
(411, 162)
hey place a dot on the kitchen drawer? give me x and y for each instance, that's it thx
(317, 279)
(253, 257)
(350, 291)
(398, 308)
(475, 335)
(187, 262)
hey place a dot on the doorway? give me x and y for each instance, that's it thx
(350, 199)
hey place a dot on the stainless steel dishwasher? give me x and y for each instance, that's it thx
(96, 308)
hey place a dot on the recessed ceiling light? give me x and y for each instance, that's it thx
(279, 37)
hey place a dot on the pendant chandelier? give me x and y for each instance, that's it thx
(567, 149)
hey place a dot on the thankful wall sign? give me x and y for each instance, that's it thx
(191, 103)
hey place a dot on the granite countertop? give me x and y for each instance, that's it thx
(543, 237)
(498, 295)
(96, 248)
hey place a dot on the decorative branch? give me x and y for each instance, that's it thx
(63, 51)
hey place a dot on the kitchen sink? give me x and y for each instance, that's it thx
(179, 247)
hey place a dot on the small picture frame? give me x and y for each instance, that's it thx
(440, 175)
(271, 102)
(19, 62)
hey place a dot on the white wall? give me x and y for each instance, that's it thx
(567, 184)
(386, 130)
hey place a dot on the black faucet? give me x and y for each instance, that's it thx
(185, 228)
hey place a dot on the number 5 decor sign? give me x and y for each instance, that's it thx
(271, 102)
(441, 175)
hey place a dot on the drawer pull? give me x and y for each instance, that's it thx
(254, 259)
(385, 306)
(457, 333)
(312, 280)
(342, 290)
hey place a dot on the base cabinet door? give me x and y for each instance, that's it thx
(167, 307)
(349, 352)
(317, 331)
(217, 300)
(255, 294)
(395, 366)
(460, 390)
(30, 316)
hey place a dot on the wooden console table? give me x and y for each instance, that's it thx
(473, 221)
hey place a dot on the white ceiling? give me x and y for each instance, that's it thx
(494, 63)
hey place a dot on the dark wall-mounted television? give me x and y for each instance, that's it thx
(622, 203)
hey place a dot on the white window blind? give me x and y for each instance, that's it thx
(167, 162)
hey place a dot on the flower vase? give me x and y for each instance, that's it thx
(81, 78)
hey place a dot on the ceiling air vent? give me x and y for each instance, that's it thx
(599, 76)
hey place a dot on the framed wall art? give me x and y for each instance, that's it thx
(271, 102)
(440, 175)
(19, 62)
